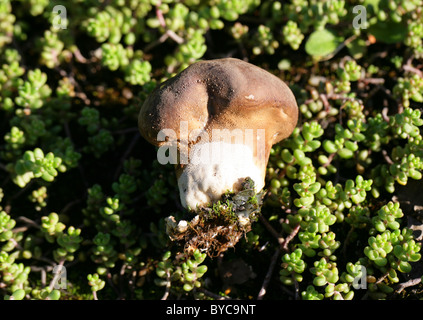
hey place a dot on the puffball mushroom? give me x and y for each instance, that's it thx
(217, 121)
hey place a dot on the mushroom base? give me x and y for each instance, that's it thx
(214, 169)
(216, 228)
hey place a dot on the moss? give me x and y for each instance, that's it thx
(220, 226)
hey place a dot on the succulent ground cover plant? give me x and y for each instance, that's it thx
(85, 206)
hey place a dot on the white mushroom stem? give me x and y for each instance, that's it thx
(215, 168)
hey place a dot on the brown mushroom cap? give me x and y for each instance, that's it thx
(221, 94)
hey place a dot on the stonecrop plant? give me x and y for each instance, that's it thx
(85, 205)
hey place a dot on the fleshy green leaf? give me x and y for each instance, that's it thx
(322, 43)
